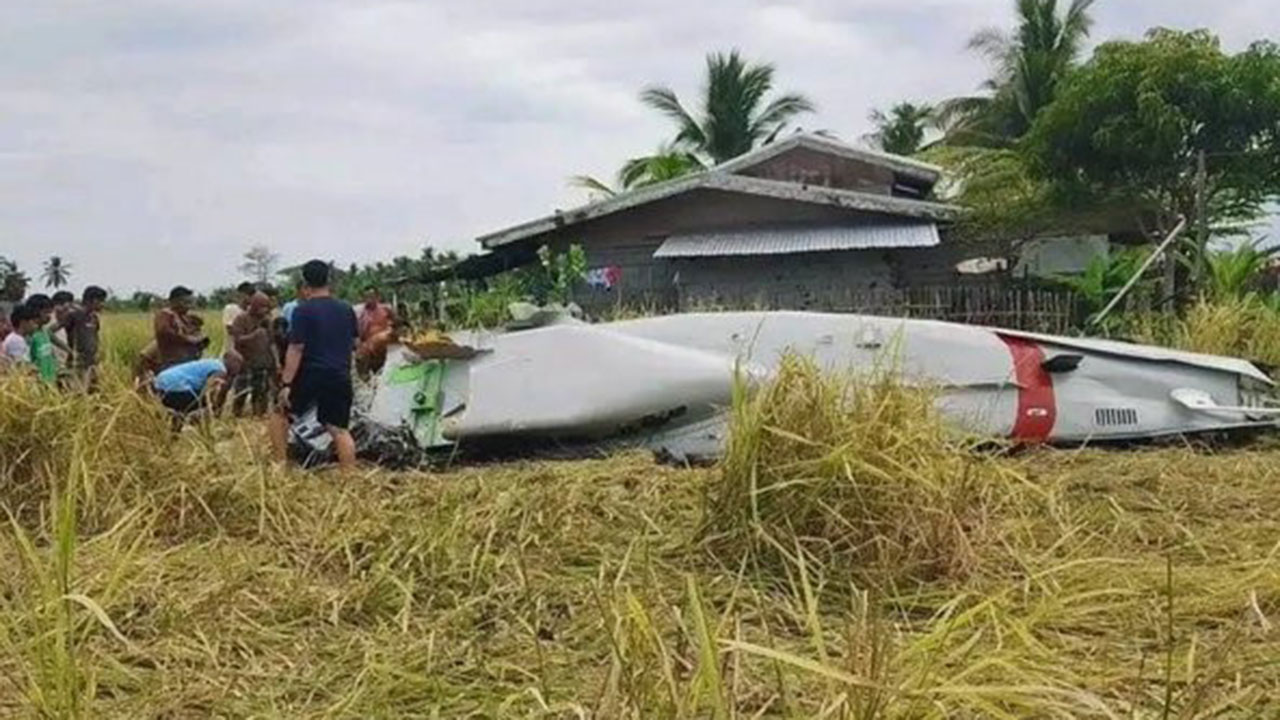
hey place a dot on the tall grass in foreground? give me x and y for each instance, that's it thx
(147, 576)
(859, 471)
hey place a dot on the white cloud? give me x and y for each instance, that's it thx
(150, 142)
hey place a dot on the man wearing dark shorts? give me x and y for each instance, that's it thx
(317, 366)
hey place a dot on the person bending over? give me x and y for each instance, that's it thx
(188, 388)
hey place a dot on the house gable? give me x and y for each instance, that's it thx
(802, 168)
(812, 160)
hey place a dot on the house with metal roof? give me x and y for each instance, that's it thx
(801, 223)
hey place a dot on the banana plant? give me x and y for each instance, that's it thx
(1104, 277)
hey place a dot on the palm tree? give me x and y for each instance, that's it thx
(57, 272)
(1029, 65)
(736, 115)
(668, 163)
(901, 131)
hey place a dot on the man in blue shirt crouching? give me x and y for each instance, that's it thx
(187, 388)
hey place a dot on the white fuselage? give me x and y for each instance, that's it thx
(665, 382)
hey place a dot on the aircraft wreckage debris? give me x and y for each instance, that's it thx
(666, 383)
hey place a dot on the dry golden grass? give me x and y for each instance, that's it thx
(127, 334)
(1238, 327)
(147, 577)
(858, 471)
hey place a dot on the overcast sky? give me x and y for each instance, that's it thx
(150, 142)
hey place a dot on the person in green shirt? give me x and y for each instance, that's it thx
(41, 342)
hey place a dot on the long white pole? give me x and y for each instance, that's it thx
(1182, 225)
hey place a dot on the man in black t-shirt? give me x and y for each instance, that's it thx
(317, 366)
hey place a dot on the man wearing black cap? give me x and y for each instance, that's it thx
(317, 366)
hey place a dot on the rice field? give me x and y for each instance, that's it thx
(860, 564)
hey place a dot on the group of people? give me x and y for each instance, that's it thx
(285, 361)
(54, 337)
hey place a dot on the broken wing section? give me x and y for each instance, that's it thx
(582, 382)
(969, 367)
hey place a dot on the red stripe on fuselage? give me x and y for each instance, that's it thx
(1037, 407)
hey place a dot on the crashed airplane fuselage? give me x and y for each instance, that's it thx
(666, 382)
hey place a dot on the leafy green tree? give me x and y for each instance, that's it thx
(1001, 196)
(981, 147)
(144, 301)
(736, 113)
(902, 130)
(13, 282)
(56, 272)
(396, 279)
(1128, 127)
(1030, 63)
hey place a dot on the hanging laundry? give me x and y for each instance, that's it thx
(604, 278)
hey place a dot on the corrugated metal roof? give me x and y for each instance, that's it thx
(785, 241)
(905, 209)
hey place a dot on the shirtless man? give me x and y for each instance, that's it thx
(374, 316)
(233, 310)
(377, 322)
(251, 337)
(178, 335)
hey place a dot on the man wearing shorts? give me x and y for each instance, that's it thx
(317, 366)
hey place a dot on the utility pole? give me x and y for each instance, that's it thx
(1202, 221)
